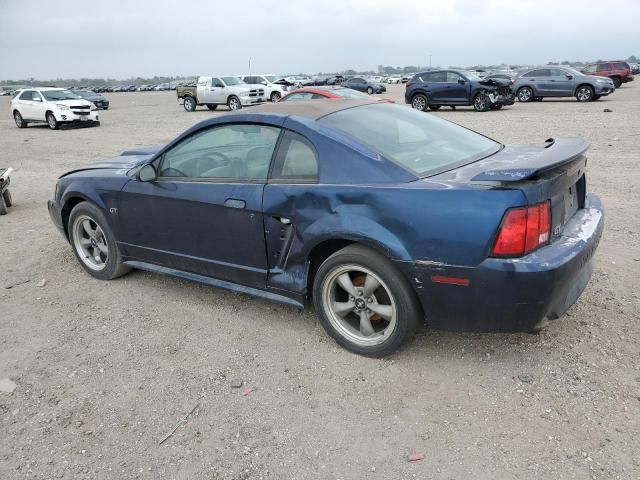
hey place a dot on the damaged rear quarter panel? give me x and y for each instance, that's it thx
(407, 222)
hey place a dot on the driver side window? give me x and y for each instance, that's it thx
(233, 152)
(215, 82)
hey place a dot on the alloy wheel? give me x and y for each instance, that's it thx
(419, 102)
(90, 243)
(524, 95)
(584, 94)
(359, 305)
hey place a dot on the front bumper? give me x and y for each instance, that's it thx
(512, 295)
(56, 216)
(248, 101)
(603, 90)
(498, 99)
(72, 117)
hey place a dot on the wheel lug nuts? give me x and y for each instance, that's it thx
(369, 300)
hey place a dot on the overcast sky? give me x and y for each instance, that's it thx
(48, 39)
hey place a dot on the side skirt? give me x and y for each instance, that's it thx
(214, 282)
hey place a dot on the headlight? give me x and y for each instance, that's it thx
(93, 107)
(61, 106)
(601, 80)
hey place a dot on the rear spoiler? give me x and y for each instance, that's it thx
(555, 154)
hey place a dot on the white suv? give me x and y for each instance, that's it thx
(273, 91)
(53, 106)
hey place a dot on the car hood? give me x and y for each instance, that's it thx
(73, 102)
(495, 82)
(127, 160)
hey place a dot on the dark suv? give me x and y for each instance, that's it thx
(618, 71)
(457, 88)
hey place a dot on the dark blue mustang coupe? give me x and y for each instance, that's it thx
(385, 217)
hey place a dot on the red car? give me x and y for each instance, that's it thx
(329, 92)
(619, 71)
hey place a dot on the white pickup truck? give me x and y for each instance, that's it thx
(220, 90)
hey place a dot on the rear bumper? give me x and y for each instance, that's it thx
(512, 295)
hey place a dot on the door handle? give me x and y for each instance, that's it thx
(283, 220)
(234, 203)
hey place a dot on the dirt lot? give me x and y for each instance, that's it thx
(106, 369)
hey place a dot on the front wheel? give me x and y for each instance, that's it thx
(275, 96)
(370, 90)
(481, 102)
(234, 103)
(584, 93)
(420, 102)
(51, 121)
(211, 106)
(525, 94)
(8, 200)
(190, 104)
(93, 243)
(364, 302)
(617, 81)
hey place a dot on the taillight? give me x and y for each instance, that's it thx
(523, 229)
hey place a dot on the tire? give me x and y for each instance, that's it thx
(8, 200)
(211, 106)
(275, 97)
(496, 107)
(370, 90)
(190, 104)
(51, 121)
(3, 206)
(20, 122)
(584, 93)
(525, 94)
(420, 102)
(89, 249)
(393, 295)
(234, 103)
(617, 82)
(481, 103)
(434, 107)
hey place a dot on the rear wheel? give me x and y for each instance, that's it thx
(20, 123)
(234, 103)
(364, 302)
(190, 104)
(419, 102)
(211, 106)
(93, 243)
(275, 96)
(617, 81)
(51, 121)
(584, 93)
(525, 94)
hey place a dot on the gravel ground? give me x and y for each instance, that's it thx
(106, 369)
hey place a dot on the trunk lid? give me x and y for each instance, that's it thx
(554, 171)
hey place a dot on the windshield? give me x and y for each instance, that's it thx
(422, 143)
(574, 72)
(349, 93)
(272, 78)
(471, 76)
(232, 81)
(53, 95)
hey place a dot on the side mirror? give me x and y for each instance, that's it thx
(37, 99)
(263, 82)
(569, 77)
(461, 82)
(147, 173)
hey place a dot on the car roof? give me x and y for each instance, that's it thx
(311, 110)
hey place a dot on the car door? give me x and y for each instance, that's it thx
(203, 213)
(537, 79)
(436, 81)
(456, 89)
(38, 106)
(604, 70)
(563, 82)
(295, 170)
(25, 105)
